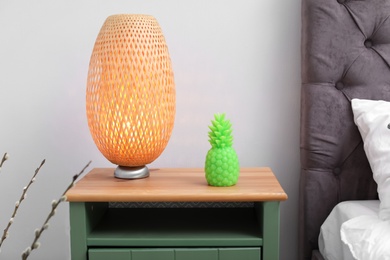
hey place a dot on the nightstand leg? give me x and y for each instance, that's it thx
(78, 231)
(268, 214)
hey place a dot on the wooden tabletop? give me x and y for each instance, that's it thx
(176, 185)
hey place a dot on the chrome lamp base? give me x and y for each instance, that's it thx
(124, 172)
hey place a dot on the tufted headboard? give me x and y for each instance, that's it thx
(345, 54)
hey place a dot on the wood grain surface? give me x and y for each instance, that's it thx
(175, 184)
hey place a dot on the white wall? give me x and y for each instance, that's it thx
(233, 56)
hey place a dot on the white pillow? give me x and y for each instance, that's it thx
(373, 120)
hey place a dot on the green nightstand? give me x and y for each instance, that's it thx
(101, 232)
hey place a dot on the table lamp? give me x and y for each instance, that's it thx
(130, 96)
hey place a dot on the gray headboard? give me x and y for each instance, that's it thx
(345, 55)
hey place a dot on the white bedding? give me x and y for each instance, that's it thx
(368, 237)
(330, 243)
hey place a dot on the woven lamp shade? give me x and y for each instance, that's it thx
(130, 96)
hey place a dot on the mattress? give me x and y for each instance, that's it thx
(329, 241)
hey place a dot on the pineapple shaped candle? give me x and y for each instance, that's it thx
(222, 167)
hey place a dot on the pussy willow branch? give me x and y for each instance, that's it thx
(5, 157)
(38, 232)
(17, 204)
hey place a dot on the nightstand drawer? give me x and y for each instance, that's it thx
(252, 253)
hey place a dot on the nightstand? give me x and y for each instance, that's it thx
(240, 222)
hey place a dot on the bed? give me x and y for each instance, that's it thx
(345, 61)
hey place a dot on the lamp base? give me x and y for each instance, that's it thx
(124, 172)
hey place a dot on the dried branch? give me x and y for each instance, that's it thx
(38, 232)
(17, 204)
(5, 158)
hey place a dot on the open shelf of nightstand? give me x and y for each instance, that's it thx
(172, 227)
